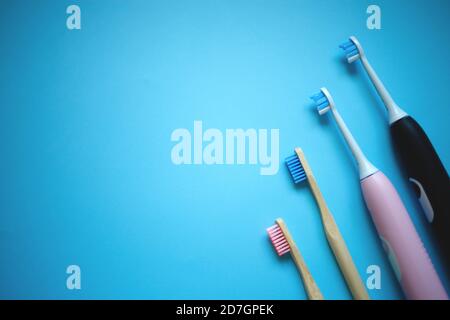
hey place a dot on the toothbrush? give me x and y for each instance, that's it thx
(422, 165)
(284, 243)
(404, 248)
(301, 171)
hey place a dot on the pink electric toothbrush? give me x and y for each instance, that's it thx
(404, 248)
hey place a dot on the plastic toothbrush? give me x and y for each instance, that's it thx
(404, 248)
(420, 160)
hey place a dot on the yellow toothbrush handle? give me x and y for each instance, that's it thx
(334, 237)
(310, 285)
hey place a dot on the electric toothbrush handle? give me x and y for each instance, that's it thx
(402, 244)
(427, 174)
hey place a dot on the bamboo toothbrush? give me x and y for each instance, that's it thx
(284, 243)
(420, 160)
(401, 242)
(301, 171)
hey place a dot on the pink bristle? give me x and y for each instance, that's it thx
(278, 239)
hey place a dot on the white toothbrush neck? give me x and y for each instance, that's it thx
(364, 166)
(395, 112)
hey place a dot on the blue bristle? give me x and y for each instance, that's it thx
(350, 49)
(322, 105)
(320, 100)
(316, 97)
(347, 44)
(295, 168)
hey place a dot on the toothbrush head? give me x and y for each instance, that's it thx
(278, 239)
(295, 168)
(323, 101)
(353, 49)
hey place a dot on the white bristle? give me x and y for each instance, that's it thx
(353, 58)
(324, 110)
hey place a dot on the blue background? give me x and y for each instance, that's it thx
(85, 124)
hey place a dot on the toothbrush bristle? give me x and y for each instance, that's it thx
(351, 51)
(295, 168)
(321, 101)
(278, 240)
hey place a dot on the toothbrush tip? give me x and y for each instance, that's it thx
(351, 50)
(278, 239)
(295, 168)
(321, 101)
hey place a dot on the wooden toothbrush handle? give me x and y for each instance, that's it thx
(310, 285)
(334, 237)
(347, 265)
(339, 248)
